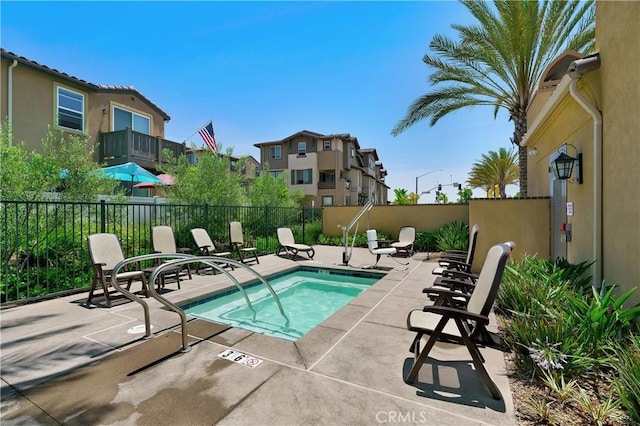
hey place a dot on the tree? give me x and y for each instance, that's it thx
(66, 167)
(442, 198)
(272, 191)
(499, 60)
(464, 195)
(401, 196)
(494, 171)
(210, 182)
(413, 198)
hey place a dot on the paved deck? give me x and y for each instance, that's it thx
(63, 362)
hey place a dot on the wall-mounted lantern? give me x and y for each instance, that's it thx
(564, 165)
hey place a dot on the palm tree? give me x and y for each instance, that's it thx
(498, 61)
(401, 196)
(495, 170)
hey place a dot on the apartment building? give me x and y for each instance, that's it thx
(125, 124)
(331, 170)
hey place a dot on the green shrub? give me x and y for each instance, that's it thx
(627, 382)
(527, 280)
(426, 241)
(453, 236)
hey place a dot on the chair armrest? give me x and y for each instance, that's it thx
(459, 275)
(459, 284)
(454, 264)
(442, 295)
(456, 313)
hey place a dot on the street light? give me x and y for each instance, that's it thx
(418, 177)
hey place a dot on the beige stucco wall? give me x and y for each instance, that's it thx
(523, 221)
(618, 40)
(389, 219)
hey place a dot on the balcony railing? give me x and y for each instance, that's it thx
(127, 145)
(326, 185)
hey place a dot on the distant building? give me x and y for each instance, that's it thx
(331, 170)
(126, 125)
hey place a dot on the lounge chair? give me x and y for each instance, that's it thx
(238, 245)
(288, 244)
(105, 252)
(164, 242)
(372, 243)
(406, 239)
(206, 247)
(448, 320)
(459, 259)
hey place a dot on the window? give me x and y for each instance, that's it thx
(352, 152)
(327, 201)
(302, 148)
(326, 146)
(327, 177)
(276, 174)
(70, 109)
(275, 152)
(300, 177)
(257, 171)
(123, 119)
(233, 165)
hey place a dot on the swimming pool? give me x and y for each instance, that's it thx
(308, 296)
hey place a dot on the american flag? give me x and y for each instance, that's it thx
(209, 137)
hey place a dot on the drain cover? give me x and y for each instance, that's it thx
(137, 329)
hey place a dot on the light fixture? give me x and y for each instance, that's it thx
(533, 151)
(564, 163)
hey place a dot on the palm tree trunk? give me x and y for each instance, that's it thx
(519, 117)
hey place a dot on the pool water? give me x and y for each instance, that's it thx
(307, 295)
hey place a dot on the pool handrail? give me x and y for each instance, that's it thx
(182, 259)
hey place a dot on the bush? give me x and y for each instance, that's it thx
(627, 382)
(454, 236)
(426, 241)
(542, 304)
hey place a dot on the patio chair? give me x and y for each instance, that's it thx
(459, 259)
(288, 244)
(206, 247)
(238, 245)
(406, 239)
(105, 252)
(164, 242)
(372, 244)
(448, 320)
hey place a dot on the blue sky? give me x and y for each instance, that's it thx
(265, 70)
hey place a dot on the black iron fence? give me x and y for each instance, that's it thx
(44, 244)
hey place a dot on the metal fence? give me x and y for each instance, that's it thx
(44, 243)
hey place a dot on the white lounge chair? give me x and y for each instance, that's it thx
(372, 243)
(406, 239)
(288, 244)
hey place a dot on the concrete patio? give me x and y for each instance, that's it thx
(64, 362)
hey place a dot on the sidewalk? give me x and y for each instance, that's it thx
(65, 363)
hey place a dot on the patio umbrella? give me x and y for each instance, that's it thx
(131, 172)
(167, 179)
